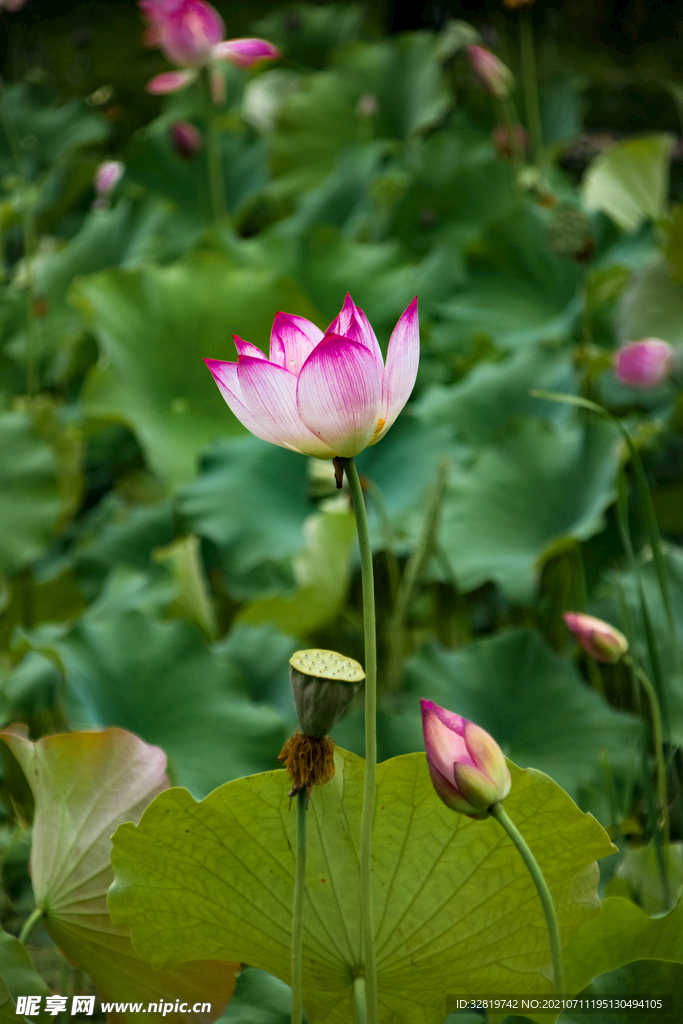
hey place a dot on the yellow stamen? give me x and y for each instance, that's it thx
(379, 428)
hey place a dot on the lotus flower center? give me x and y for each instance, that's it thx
(378, 429)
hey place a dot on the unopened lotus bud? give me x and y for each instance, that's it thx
(644, 364)
(323, 685)
(495, 76)
(107, 177)
(466, 765)
(185, 139)
(599, 639)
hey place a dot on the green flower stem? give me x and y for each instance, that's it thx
(528, 59)
(27, 928)
(213, 151)
(501, 816)
(368, 917)
(658, 743)
(298, 908)
(360, 1000)
(512, 125)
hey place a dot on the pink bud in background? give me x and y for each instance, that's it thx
(322, 394)
(12, 5)
(466, 765)
(495, 76)
(644, 364)
(185, 139)
(107, 176)
(598, 639)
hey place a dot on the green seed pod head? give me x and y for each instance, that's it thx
(323, 685)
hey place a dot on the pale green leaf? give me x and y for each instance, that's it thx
(630, 181)
(321, 571)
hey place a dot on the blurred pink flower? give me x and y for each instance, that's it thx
(599, 639)
(190, 34)
(185, 139)
(495, 76)
(107, 176)
(645, 363)
(323, 395)
(466, 765)
(12, 5)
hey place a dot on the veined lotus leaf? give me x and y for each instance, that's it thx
(455, 910)
(84, 785)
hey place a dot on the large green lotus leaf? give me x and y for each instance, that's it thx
(518, 497)
(533, 701)
(29, 484)
(639, 981)
(250, 499)
(652, 307)
(493, 394)
(321, 572)
(455, 909)
(520, 293)
(630, 181)
(85, 784)
(161, 680)
(620, 934)
(154, 327)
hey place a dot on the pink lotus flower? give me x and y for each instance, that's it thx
(598, 639)
(466, 765)
(644, 364)
(495, 76)
(190, 34)
(323, 395)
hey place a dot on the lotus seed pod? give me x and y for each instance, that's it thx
(323, 685)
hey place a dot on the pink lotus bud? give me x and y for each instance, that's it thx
(495, 76)
(107, 176)
(323, 395)
(598, 639)
(170, 81)
(644, 364)
(245, 52)
(12, 5)
(466, 765)
(185, 139)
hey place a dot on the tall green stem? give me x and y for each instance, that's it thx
(658, 744)
(501, 816)
(213, 151)
(368, 813)
(360, 1000)
(298, 908)
(528, 60)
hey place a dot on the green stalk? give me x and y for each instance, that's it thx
(298, 907)
(658, 743)
(27, 927)
(511, 122)
(533, 109)
(213, 151)
(501, 816)
(368, 919)
(359, 999)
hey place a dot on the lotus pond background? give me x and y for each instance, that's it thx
(158, 565)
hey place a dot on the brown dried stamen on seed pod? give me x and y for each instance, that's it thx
(309, 761)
